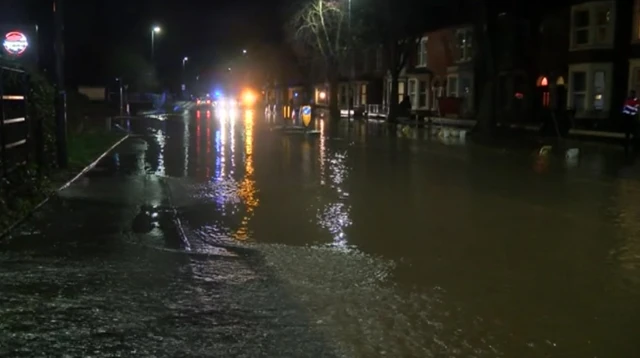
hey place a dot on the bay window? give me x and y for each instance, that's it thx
(590, 88)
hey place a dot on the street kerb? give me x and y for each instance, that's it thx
(64, 186)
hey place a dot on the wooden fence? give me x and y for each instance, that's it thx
(20, 144)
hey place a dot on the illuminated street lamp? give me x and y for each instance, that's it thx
(244, 52)
(184, 63)
(155, 30)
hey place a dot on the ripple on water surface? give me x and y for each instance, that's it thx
(348, 295)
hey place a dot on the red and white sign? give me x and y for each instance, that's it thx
(15, 43)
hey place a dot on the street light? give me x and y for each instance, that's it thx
(244, 52)
(155, 30)
(184, 62)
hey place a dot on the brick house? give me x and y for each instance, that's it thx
(439, 78)
(604, 60)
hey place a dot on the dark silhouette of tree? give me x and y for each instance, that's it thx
(318, 30)
(135, 70)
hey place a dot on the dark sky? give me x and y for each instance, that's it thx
(205, 31)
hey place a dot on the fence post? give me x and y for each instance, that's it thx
(36, 127)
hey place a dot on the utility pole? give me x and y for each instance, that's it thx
(61, 97)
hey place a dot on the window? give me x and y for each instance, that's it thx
(422, 53)
(465, 86)
(579, 90)
(599, 87)
(635, 81)
(401, 91)
(363, 94)
(423, 94)
(603, 18)
(436, 92)
(592, 24)
(463, 44)
(581, 27)
(413, 93)
(452, 86)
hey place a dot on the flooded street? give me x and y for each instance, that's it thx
(224, 236)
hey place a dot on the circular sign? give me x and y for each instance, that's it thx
(306, 115)
(15, 43)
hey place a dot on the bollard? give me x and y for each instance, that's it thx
(107, 123)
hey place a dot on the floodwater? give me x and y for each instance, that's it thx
(360, 241)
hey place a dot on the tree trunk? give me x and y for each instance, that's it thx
(485, 71)
(393, 97)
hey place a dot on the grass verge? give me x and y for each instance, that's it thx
(24, 189)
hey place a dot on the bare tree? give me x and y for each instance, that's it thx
(319, 30)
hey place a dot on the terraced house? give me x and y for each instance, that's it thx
(604, 60)
(439, 78)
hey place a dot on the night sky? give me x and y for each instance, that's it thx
(206, 31)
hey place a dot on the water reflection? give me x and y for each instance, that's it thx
(460, 251)
(186, 142)
(221, 141)
(160, 140)
(247, 188)
(334, 216)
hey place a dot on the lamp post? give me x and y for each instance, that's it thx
(155, 30)
(184, 65)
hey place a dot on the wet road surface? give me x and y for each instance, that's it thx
(218, 236)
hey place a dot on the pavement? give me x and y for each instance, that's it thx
(104, 270)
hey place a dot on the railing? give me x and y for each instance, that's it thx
(16, 144)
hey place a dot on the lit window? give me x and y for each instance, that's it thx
(599, 87)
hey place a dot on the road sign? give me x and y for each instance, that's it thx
(15, 43)
(306, 115)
